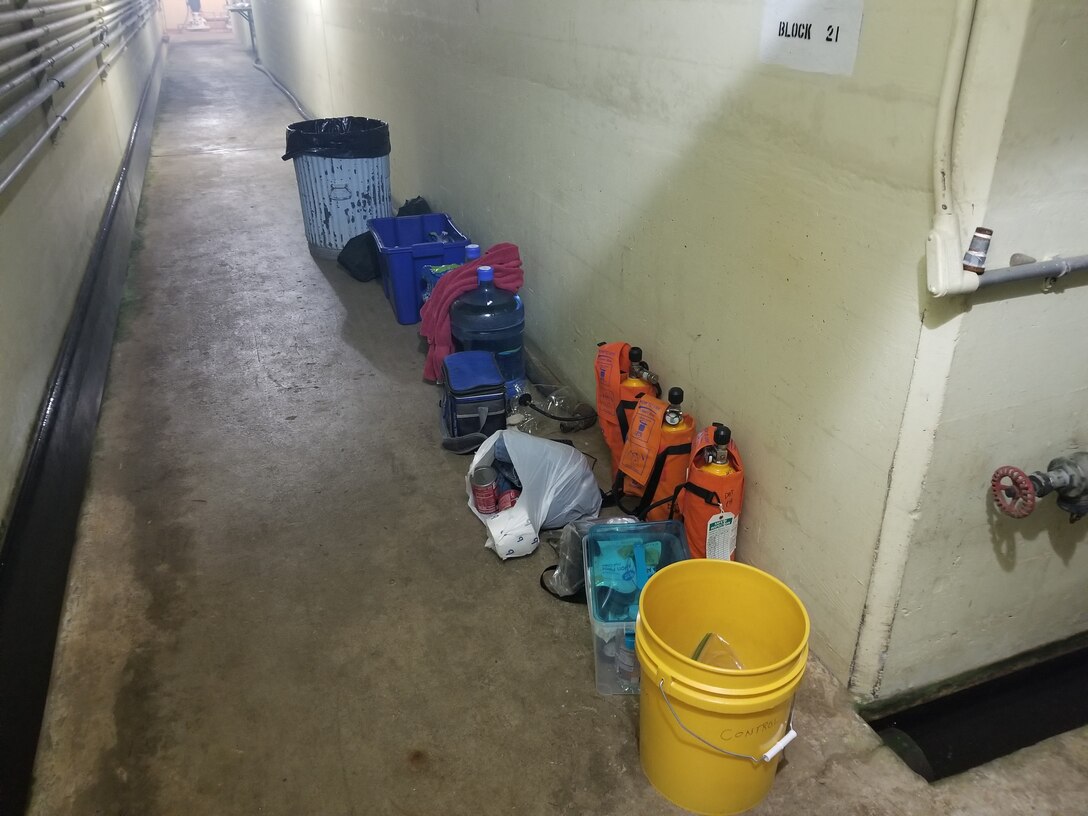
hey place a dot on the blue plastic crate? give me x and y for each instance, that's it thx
(404, 248)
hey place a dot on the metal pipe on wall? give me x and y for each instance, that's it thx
(76, 97)
(62, 114)
(944, 272)
(14, 115)
(34, 12)
(51, 60)
(20, 110)
(38, 32)
(286, 92)
(1054, 268)
(44, 48)
(35, 3)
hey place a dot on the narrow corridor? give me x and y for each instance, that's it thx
(278, 603)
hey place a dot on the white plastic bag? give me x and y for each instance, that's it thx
(557, 487)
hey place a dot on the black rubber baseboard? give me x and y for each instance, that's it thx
(37, 547)
(950, 735)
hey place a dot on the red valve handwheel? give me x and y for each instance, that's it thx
(1014, 494)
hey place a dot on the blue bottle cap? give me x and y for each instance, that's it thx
(472, 252)
(485, 274)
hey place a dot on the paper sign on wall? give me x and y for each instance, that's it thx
(820, 36)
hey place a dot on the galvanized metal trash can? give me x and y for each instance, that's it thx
(342, 170)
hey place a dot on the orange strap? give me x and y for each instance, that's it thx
(644, 439)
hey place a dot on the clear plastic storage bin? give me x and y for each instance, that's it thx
(619, 559)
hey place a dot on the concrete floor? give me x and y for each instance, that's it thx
(279, 603)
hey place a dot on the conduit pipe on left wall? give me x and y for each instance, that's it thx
(51, 60)
(95, 78)
(945, 274)
(14, 115)
(37, 33)
(46, 46)
(34, 12)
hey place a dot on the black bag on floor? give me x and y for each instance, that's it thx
(360, 257)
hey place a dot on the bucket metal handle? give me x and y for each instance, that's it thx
(767, 756)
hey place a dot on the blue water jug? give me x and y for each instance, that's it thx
(491, 319)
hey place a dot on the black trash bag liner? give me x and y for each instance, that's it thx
(345, 137)
(415, 206)
(360, 257)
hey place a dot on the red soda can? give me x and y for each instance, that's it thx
(507, 499)
(485, 494)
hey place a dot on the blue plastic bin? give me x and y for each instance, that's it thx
(404, 248)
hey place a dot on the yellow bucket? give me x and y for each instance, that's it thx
(710, 739)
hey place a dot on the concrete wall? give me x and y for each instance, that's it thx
(759, 231)
(291, 37)
(980, 587)
(48, 221)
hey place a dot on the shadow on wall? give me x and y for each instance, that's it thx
(1046, 522)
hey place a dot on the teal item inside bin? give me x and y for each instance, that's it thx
(621, 558)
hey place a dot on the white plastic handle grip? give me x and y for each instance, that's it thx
(779, 746)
